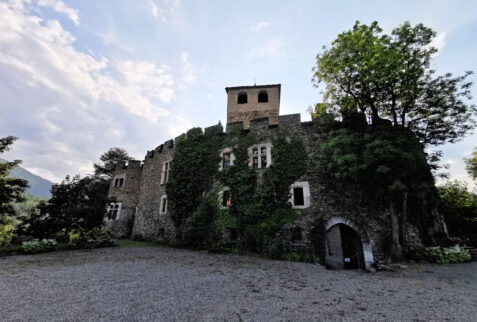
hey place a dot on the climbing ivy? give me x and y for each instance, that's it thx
(194, 168)
(259, 198)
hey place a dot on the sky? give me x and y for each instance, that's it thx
(79, 77)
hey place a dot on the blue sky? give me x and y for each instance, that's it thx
(79, 77)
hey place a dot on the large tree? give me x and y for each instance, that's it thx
(11, 189)
(110, 159)
(390, 77)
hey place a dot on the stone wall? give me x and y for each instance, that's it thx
(149, 222)
(253, 109)
(128, 195)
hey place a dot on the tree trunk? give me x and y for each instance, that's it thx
(403, 222)
(396, 253)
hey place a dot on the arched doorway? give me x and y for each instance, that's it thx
(346, 245)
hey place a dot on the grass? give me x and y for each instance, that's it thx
(128, 243)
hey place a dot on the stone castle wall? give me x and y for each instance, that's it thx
(128, 195)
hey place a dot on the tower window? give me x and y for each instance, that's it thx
(300, 195)
(242, 98)
(263, 97)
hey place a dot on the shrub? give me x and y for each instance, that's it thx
(95, 238)
(36, 246)
(441, 255)
(6, 235)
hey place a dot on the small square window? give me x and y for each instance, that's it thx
(119, 182)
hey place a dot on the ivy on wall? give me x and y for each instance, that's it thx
(259, 198)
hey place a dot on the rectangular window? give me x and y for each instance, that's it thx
(264, 161)
(298, 198)
(166, 171)
(113, 211)
(255, 162)
(226, 160)
(119, 182)
(163, 205)
(226, 198)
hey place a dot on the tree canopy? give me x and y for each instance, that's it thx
(76, 204)
(471, 164)
(110, 159)
(390, 77)
(11, 189)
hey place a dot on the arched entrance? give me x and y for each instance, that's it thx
(346, 246)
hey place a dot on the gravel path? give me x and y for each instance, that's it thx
(165, 284)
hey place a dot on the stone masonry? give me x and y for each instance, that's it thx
(330, 203)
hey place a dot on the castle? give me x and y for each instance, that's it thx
(338, 224)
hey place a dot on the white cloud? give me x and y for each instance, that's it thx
(60, 7)
(58, 66)
(260, 26)
(162, 9)
(188, 74)
(271, 48)
(68, 107)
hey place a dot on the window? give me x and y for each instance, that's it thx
(227, 158)
(113, 211)
(166, 171)
(119, 181)
(298, 199)
(163, 206)
(263, 97)
(225, 198)
(261, 156)
(300, 195)
(242, 98)
(296, 234)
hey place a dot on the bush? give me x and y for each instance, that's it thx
(6, 235)
(441, 255)
(36, 246)
(95, 238)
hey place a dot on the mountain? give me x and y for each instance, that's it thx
(39, 186)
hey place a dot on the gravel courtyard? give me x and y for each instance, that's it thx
(165, 284)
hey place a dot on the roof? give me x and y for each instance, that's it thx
(253, 86)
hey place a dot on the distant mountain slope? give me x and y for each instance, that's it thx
(39, 186)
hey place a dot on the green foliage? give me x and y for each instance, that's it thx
(77, 204)
(459, 208)
(94, 238)
(471, 165)
(11, 189)
(390, 77)
(194, 168)
(200, 231)
(37, 246)
(441, 255)
(6, 235)
(259, 207)
(374, 156)
(111, 159)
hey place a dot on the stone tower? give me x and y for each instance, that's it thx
(245, 103)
